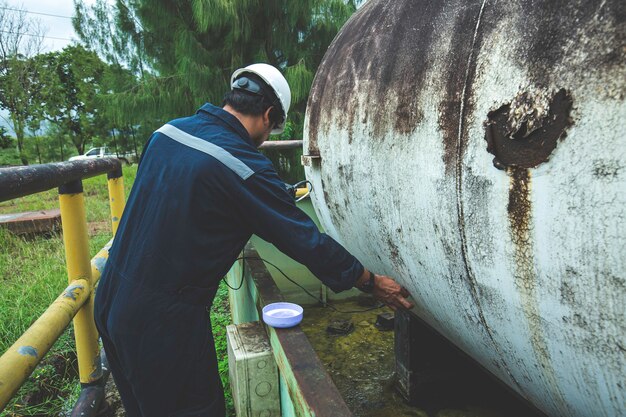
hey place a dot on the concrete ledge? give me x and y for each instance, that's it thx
(32, 222)
(311, 389)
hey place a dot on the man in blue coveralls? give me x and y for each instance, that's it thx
(202, 189)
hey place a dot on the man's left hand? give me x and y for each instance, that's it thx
(387, 290)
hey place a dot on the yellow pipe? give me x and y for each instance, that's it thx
(117, 199)
(76, 244)
(99, 261)
(19, 361)
(301, 192)
(45, 331)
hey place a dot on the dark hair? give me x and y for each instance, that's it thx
(252, 104)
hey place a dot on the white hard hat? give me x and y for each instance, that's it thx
(276, 81)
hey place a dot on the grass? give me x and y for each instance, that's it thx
(220, 318)
(32, 275)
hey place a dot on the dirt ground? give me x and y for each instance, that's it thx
(113, 403)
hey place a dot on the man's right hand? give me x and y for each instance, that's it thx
(388, 291)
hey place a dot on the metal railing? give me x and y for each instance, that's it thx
(76, 301)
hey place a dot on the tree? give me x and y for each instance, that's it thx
(74, 80)
(19, 34)
(184, 52)
(20, 94)
(116, 80)
(20, 41)
(116, 37)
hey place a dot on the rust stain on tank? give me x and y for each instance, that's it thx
(521, 135)
(454, 112)
(597, 26)
(519, 211)
(525, 132)
(337, 211)
(384, 73)
(459, 77)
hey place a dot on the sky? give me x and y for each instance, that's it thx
(57, 27)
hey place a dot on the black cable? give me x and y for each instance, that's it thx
(243, 258)
(33, 35)
(301, 183)
(243, 269)
(29, 12)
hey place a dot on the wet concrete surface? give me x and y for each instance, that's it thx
(362, 365)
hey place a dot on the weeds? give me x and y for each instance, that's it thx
(220, 318)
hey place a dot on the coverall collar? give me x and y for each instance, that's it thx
(227, 118)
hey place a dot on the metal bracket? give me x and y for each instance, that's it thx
(310, 160)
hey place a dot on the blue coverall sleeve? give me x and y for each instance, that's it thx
(273, 215)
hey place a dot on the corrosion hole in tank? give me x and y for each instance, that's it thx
(525, 132)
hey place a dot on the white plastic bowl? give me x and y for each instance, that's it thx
(282, 315)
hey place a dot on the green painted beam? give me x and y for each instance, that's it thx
(310, 388)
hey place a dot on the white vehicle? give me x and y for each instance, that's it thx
(103, 152)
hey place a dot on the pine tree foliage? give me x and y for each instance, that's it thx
(184, 52)
(300, 78)
(115, 36)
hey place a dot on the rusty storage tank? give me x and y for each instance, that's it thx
(475, 150)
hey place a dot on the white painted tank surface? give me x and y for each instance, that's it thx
(476, 151)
